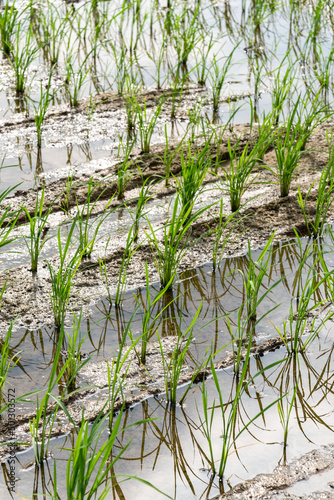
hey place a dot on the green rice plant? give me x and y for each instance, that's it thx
(123, 176)
(194, 115)
(8, 218)
(287, 152)
(7, 362)
(201, 67)
(282, 87)
(22, 55)
(194, 169)
(267, 132)
(117, 369)
(224, 225)
(129, 250)
(142, 200)
(54, 29)
(158, 61)
(185, 33)
(75, 79)
(42, 107)
(299, 323)
(284, 413)
(168, 254)
(149, 324)
(66, 197)
(311, 113)
(217, 76)
(74, 360)
(229, 411)
(147, 123)
(173, 366)
(104, 274)
(169, 156)
(123, 66)
(90, 461)
(8, 22)
(253, 279)
(38, 229)
(83, 219)
(315, 225)
(218, 132)
(42, 424)
(62, 278)
(238, 175)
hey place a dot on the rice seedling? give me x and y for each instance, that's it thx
(302, 323)
(185, 33)
(54, 30)
(74, 359)
(66, 197)
(217, 75)
(38, 229)
(147, 123)
(229, 413)
(311, 113)
(287, 155)
(288, 151)
(284, 412)
(142, 200)
(224, 225)
(325, 197)
(62, 278)
(117, 369)
(257, 271)
(238, 175)
(281, 88)
(123, 66)
(149, 324)
(75, 79)
(267, 132)
(174, 366)
(194, 115)
(169, 156)
(8, 20)
(42, 107)
(158, 61)
(123, 176)
(104, 274)
(130, 109)
(122, 276)
(201, 67)
(42, 424)
(7, 362)
(22, 57)
(194, 169)
(168, 254)
(83, 219)
(90, 461)
(8, 218)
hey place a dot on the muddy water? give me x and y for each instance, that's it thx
(219, 294)
(171, 452)
(261, 33)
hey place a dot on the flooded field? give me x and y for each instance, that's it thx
(166, 249)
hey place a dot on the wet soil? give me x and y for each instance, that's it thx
(27, 296)
(267, 486)
(139, 383)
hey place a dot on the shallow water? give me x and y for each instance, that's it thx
(261, 34)
(172, 451)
